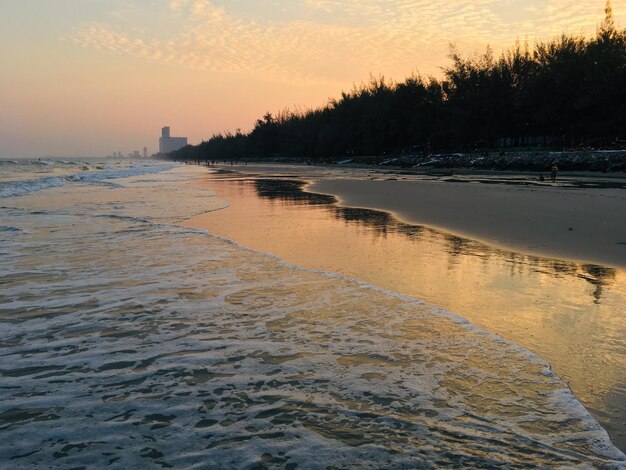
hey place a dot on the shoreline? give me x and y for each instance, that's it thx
(557, 222)
(575, 219)
(546, 306)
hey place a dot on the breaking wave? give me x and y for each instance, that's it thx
(19, 188)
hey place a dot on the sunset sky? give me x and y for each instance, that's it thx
(90, 77)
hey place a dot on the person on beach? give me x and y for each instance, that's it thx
(553, 172)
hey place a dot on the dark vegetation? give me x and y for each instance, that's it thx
(566, 93)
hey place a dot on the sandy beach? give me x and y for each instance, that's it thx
(579, 218)
(586, 225)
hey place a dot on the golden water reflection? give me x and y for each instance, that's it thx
(572, 315)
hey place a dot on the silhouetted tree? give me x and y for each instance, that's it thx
(567, 91)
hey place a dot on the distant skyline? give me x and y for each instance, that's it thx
(89, 77)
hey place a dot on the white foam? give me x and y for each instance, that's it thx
(107, 174)
(101, 175)
(19, 188)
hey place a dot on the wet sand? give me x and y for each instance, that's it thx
(581, 224)
(579, 218)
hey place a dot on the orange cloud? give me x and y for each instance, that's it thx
(391, 36)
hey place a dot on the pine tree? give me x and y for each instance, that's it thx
(607, 28)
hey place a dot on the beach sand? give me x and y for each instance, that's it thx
(585, 225)
(579, 218)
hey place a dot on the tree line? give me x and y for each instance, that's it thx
(569, 91)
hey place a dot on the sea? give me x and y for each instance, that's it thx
(128, 340)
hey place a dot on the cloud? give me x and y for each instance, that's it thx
(176, 5)
(358, 36)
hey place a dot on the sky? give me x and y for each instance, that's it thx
(92, 77)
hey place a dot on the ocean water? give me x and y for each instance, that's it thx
(130, 341)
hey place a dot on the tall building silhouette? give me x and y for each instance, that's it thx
(168, 144)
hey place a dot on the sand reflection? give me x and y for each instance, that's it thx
(569, 314)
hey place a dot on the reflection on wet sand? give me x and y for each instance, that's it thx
(570, 314)
(383, 223)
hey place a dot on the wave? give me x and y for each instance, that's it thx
(108, 174)
(100, 177)
(9, 228)
(123, 217)
(19, 188)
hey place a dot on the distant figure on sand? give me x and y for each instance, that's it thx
(553, 172)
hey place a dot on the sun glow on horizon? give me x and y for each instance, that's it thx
(93, 78)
